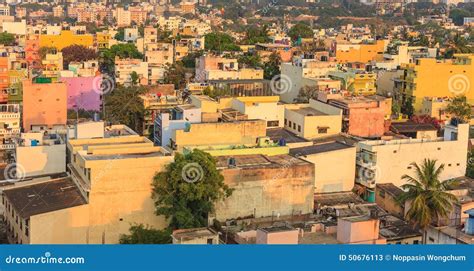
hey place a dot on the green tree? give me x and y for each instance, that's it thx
(470, 165)
(217, 41)
(187, 190)
(123, 105)
(139, 234)
(77, 53)
(428, 197)
(175, 74)
(300, 30)
(272, 67)
(7, 39)
(459, 108)
(120, 35)
(134, 77)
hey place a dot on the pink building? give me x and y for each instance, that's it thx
(364, 116)
(44, 105)
(359, 230)
(82, 93)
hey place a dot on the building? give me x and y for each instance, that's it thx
(40, 154)
(125, 67)
(218, 68)
(265, 186)
(9, 121)
(197, 236)
(384, 161)
(82, 93)
(357, 82)
(313, 120)
(386, 196)
(360, 52)
(97, 203)
(326, 156)
(66, 38)
(303, 73)
(359, 230)
(438, 78)
(44, 105)
(364, 116)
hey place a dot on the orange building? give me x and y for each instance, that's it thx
(32, 55)
(44, 104)
(363, 52)
(4, 79)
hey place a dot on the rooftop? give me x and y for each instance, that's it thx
(308, 111)
(45, 197)
(280, 228)
(390, 188)
(411, 127)
(260, 161)
(339, 198)
(190, 234)
(276, 134)
(320, 148)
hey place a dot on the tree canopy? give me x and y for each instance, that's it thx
(187, 190)
(220, 42)
(427, 194)
(459, 108)
(123, 105)
(140, 234)
(77, 53)
(7, 39)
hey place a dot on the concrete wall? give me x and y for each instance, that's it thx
(393, 160)
(223, 133)
(283, 237)
(267, 191)
(334, 170)
(365, 231)
(41, 160)
(44, 104)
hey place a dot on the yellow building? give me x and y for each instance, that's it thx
(313, 120)
(358, 82)
(65, 39)
(109, 189)
(362, 52)
(434, 78)
(102, 40)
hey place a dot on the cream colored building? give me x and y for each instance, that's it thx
(125, 67)
(334, 165)
(384, 161)
(303, 73)
(109, 190)
(313, 120)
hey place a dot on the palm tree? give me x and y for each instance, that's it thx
(427, 195)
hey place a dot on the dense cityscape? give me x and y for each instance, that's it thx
(237, 122)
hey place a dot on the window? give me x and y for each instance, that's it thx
(285, 122)
(290, 124)
(382, 193)
(299, 128)
(431, 239)
(273, 123)
(294, 126)
(322, 130)
(210, 241)
(416, 242)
